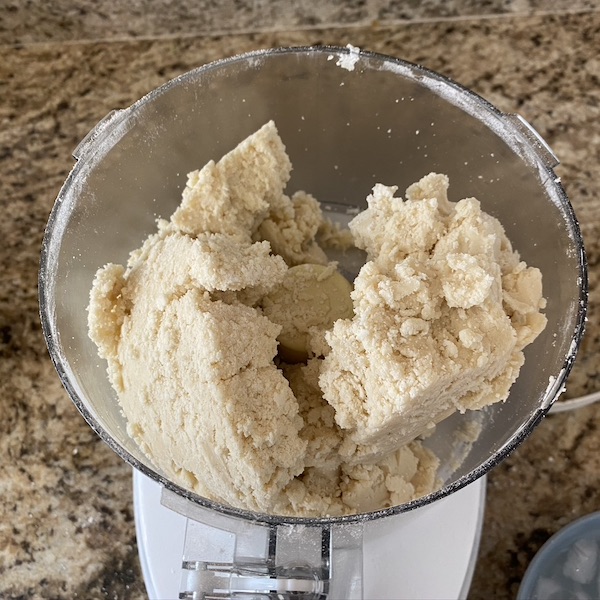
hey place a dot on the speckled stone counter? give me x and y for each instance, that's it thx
(66, 516)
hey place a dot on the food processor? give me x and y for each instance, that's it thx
(349, 119)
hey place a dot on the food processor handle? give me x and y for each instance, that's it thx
(226, 556)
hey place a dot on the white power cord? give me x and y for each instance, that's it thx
(573, 403)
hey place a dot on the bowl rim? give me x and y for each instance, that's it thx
(51, 245)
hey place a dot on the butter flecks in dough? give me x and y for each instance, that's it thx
(431, 332)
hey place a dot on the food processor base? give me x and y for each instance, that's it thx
(429, 552)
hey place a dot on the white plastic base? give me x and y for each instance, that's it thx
(426, 553)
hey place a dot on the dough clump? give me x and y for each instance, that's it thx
(436, 322)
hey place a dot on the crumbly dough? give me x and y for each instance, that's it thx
(443, 309)
(438, 318)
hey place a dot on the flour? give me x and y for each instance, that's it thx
(348, 61)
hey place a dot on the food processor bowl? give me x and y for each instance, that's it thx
(349, 119)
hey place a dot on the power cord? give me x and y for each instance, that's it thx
(573, 403)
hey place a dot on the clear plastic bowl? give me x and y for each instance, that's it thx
(349, 120)
(567, 565)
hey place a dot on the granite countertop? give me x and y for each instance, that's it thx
(66, 519)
